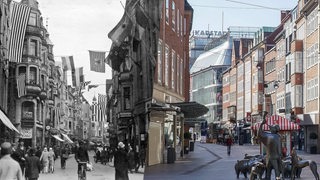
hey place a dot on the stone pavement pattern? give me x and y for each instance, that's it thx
(101, 172)
(211, 162)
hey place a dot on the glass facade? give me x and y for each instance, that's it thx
(207, 90)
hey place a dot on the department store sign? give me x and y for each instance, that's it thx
(208, 33)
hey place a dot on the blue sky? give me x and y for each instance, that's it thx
(80, 25)
(257, 13)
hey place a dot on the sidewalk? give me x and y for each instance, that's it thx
(210, 161)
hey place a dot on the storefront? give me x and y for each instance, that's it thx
(287, 129)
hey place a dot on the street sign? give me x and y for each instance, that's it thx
(124, 115)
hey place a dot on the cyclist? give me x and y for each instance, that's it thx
(81, 155)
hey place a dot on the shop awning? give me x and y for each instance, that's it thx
(57, 138)
(191, 109)
(285, 124)
(6, 121)
(66, 137)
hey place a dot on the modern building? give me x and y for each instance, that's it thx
(206, 79)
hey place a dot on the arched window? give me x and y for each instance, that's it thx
(33, 75)
(22, 70)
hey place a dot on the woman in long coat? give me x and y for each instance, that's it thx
(45, 160)
(121, 162)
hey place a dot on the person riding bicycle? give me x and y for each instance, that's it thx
(81, 155)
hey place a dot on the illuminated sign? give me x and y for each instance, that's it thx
(208, 33)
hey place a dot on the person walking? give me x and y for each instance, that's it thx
(9, 168)
(121, 162)
(51, 159)
(131, 159)
(64, 156)
(33, 165)
(45, 160)
(229, 144)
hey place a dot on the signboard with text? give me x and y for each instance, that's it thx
(26, 133)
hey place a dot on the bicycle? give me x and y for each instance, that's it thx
(82, 172)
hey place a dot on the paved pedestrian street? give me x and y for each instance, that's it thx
(100, 172)
(211, 162)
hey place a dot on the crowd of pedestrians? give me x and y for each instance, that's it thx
(17, 161)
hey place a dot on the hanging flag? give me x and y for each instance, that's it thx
(102, 102)
(92, 86)
(124, 27)
(67, 63)
(86, 83)
(21, 85)
(79, 77)
(97, 61)
(19, 15)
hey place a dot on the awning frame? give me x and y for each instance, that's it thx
(66, 137)
(6, 121)
(284, 123)
(57, 138)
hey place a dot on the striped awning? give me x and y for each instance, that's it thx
(57, 138)
(6, 121)
(66, 137)
(285, 124)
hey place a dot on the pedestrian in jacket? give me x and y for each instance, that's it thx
(121, 162)
(64, 156)
(9, 168)
(33, 166)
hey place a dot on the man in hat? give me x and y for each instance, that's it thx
(121, 162)
(9, 168)
(33, 165)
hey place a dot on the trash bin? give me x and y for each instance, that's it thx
(191, 146)
(171, 156)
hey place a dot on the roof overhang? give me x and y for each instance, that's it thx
(191, 109)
